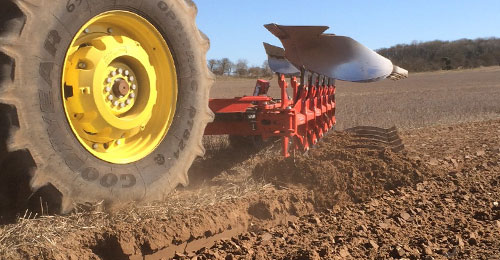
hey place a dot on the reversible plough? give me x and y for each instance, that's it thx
(305, 116)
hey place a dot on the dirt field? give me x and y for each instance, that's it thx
(428, 190)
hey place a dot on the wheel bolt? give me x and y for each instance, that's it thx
(110, 30)
(116, 103)
(87, 30)
(110, 97)
(132, 95)
(113, 73)
(82, 65)
(120, 71)
(109, 80)
(95, 146)
(134, 86)
(128, 101)
(118, 142)
(108, 89)
(131, 78)
(122, 105)
(127, 72)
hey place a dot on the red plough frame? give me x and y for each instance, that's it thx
(300, 121)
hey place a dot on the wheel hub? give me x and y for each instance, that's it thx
(121, 87)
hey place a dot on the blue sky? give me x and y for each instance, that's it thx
(235, 27)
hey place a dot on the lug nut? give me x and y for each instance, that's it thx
(110, 97)
(87, 30)
(127, 72)
(110, 30)
(118, 142)
(120, 71)
(108, 89)
(132, 95)
(109, 80)
(121, 97)
(95, 146)
(128, 101)
(82, 65)
(122, 105)
(113, 73)
(131, 78)
(116, 103)
(134, 86)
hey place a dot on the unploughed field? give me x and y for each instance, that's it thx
(427, 189)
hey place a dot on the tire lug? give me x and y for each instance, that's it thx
(108, 89)
(110, 30)
(82, 65)
(126, 72)
(132, 95)
(120, 71)
(116, 103)
(131, 78)
(87, 30)
(128, 101)
(134, 86)
(118, 142)
(122, 105)
(110, 97)
(95, 146)
(109, 80)
(113, 73)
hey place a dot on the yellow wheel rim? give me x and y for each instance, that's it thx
(119, 87)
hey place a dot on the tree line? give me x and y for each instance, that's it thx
(445, 55)
(415, 57)
(241, 68)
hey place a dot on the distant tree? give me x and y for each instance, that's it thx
(241, 67)
(266, 70)
(212, 64)
(225, 66)
(254, 72)
(437, 55)
(446, 63)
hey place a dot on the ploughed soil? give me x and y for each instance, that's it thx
(425, 189)
(361, 193)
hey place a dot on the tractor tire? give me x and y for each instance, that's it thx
(36, 37)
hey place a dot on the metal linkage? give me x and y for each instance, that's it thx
(301, 120)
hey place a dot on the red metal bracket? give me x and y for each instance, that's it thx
(303, 119)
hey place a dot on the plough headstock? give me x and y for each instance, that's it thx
(313, 61)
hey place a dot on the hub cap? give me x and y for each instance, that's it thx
(119, 87)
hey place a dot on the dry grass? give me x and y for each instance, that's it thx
(231, 182)
(44, 231)
(48, 232)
